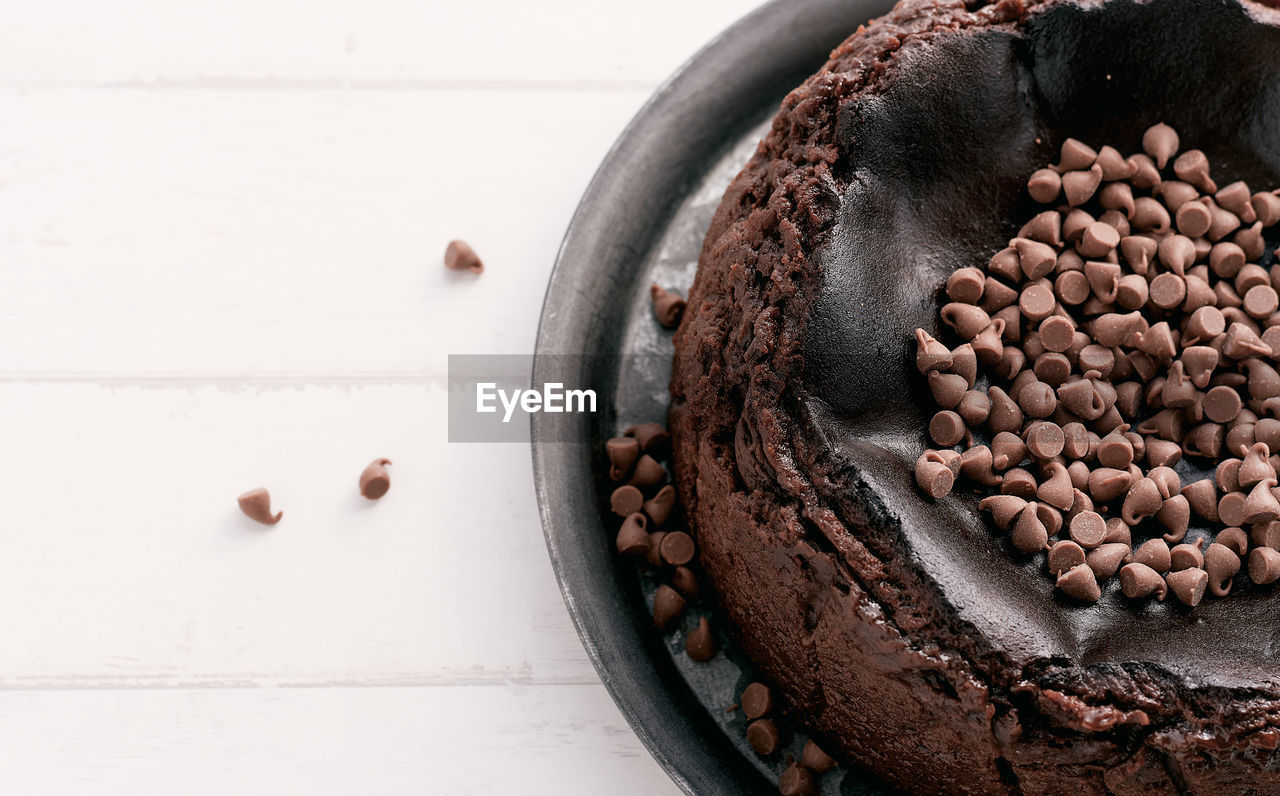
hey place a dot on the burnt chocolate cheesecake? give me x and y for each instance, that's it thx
(973, 413)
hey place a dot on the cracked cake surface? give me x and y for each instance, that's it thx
(898, 628)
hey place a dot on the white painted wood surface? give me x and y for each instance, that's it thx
(221, 226)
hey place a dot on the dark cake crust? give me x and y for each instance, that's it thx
(808, 566)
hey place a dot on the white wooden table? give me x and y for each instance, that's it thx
(221, 226)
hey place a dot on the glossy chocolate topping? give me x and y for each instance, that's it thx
(941, 157)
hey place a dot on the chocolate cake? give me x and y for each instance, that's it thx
(898, 621)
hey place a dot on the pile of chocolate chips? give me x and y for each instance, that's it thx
(646, 503)
(1126, 340)
(648, 507)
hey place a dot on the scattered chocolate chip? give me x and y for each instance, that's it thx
(756, 701)
(626, 500)
(684, 581)
(700, 645)
(459, 256)
(764, 737)
(256, 505)
(648, 472)
(668, 307)
(815, 759)
(622, 453)
(633, 537)
(654, 556)
(668, 605)
(660, 506)
(677, 548)
(653, 438)
(796, 781)
(375, 481)
(933, 476)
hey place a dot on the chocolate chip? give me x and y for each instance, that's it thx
(1266, 534)
(1256, 466)
(256, 505)
(1142, 500)
(677, 548)
(1063, 555)
(684, 581)
(622, 453)
(1148, 216)
(654, 438)
(1202, 497)
(974, 407)
(1231, 508)
(374, 480)
(947, 428)
(1188, 585)
(796, 781)
(1153, 553)
(1118, 532)
(1186, 556)
(633, 536)
(459, 256)
(654, 556)
(1146, 174)
(1234, 539)
(668, 605)
(1266, 205)
(626, 500)
(700, 645)
(1139, 580)
(764, 737)
(1108, 483)
(1007, 450)
(1005, 509)
(659, 507)
(1221, 563)
(648, 472)
(1076, 155)
(668, 306)
(1160, 141)
(1106, 559)
(966, 285)
(1044, 186)
(1264, 565)
(1080, 584)
(1019, 482)
(1056, 489)
(1029, 533)
(756, 701)
(1044, 440)
(1175, 516)
(815, 759)
(1078, 187)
